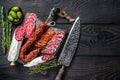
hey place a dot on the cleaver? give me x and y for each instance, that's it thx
(69, 47)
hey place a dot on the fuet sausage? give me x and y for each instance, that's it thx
(15, 45)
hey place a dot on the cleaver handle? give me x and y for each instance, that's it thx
(59, 75)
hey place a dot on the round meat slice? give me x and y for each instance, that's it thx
(32, 16)
(28, 31)
(47, 57)
(51, 46)
(48, 51)
(59, 34)
(29, 24)
(55, 41)
(19, 33)
(29, 21)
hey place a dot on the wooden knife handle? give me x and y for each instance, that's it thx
(59, 75)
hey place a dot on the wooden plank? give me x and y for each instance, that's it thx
(90, 11)
(82, 68)
(94, 68)
(99, 40)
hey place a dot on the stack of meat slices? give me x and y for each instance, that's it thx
(29, 24)
(53, 44)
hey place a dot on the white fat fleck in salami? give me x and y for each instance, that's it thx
(39, 60)
(19, 33)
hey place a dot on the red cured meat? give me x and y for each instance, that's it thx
(29, 21)
(29, 30)
(29, 24)
(19, 33)
(33, 14)
(59, 34)
(51, 46)
(48, 51)
(55, 41)
(47, 57)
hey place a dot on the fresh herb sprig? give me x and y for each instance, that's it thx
(44, 66)
(6, 30)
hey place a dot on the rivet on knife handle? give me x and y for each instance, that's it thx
(60, 73)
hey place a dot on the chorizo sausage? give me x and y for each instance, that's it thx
(35, 35)
(41, 42)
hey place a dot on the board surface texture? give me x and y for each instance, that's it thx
(98, 53)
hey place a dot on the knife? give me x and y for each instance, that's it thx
(69, 48)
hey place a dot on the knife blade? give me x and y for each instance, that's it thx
(69, 48)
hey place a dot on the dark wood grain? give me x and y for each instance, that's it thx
(94, 68)
(90, 11)
(98, 54)
(99, 40)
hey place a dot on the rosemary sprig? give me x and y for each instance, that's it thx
(44, 66)
(6, 31)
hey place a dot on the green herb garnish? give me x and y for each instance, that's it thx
(6, 30)
(44, 66)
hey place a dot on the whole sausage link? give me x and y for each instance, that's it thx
(38, 32)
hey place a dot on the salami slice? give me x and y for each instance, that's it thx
(47, 57)
(48, 51)
(55, 41)
(29, 24)
(29, 21)
(59, 35)
(51, 46)
(19, 33)
(29, 30)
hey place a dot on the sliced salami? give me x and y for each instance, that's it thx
(55, 41)
(29, 30)
(47, 57)
(29, 24)
(51, 46)
(19, 33)
(59, 35)
(48, 51)
(29, 21)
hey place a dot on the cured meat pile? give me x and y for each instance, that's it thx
(29, 24)
(28, 42)
(33, 38)
(53, 44)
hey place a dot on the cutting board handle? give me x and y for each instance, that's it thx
(59, 75)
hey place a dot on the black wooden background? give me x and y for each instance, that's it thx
(98, 53)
